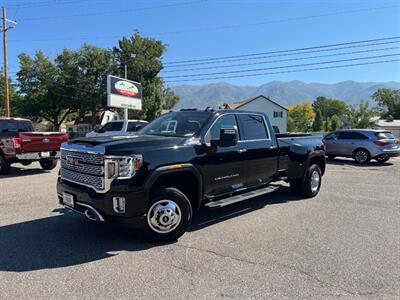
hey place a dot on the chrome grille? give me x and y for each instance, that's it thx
(89, 158)
(85, 168)
(88, 180)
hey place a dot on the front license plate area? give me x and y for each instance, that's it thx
(45, 154)
(68, 199)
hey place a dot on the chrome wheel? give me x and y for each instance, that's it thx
(361, 156)
(314, 181)
(164, 216)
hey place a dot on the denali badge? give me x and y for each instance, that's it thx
(73, 160)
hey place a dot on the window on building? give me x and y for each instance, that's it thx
(278, 114)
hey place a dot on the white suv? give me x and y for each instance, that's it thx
(120, 127)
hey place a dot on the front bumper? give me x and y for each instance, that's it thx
(38, 155)
(86, 198)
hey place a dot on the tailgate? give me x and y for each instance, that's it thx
(41, 141)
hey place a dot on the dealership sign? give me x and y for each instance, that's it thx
(123, 93)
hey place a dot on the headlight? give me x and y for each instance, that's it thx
(123, 167)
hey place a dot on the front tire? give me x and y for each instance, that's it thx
(169, 215)
(362, 156)
(48, 164)
(4, 165)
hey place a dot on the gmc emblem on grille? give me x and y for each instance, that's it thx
(46, 140)
(73, 160)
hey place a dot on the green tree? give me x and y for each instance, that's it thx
(335, 123)
(170, 99)
(302, 115)
(361, 116)
(91, 65)
(329, 107)
(388, 101)
(142, 56)
(41, 84)
(318, 124)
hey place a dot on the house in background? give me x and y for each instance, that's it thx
(277, 113)
(391, 125)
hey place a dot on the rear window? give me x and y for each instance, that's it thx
(385, 135)
(252, 127)
(25, 126)
(8, 126)
(112, 126)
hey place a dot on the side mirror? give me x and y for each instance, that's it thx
(228, 136)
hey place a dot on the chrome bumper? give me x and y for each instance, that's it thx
(38, 155)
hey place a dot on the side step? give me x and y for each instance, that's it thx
(241, 197)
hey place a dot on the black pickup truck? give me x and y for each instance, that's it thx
(181, 161)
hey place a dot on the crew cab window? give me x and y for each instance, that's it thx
(8, 126)
(224, 121)
(351, 136)
(112, 126)
(252, 127)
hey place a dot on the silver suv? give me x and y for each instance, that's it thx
(362, 145)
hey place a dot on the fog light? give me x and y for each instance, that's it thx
(119, 204)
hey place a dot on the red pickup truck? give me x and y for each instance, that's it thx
(20, 144)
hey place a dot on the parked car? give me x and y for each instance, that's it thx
(120, 127)
(20, 144)
(181, 161)
(362, 145)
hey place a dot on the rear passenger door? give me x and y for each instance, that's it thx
(348, 141)
(257, 149)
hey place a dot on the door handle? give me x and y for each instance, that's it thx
(272, 147)
(242, 150)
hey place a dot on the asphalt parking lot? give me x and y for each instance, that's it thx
(345, 243)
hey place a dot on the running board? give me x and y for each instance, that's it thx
(241, 197)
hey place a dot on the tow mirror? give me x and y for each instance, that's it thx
(228, 136)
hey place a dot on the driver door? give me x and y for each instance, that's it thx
(223, 169)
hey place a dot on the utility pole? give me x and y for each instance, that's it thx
(6, 88)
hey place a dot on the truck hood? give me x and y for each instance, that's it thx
(121, 145)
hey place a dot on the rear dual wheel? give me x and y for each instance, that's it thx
(310, 186)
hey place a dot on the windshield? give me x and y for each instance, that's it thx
(180, 124)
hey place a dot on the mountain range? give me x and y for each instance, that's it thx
(286, 93)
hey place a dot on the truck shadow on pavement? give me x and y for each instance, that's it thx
(69, 239)
(20, 172)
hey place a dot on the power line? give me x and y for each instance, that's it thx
(282, 55)
(283, 67)
(281, 60)
(112, 11)
(289, 71)
(278, 51)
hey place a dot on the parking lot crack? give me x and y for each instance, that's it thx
(264, 265)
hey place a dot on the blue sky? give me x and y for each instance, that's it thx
(227, 28)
